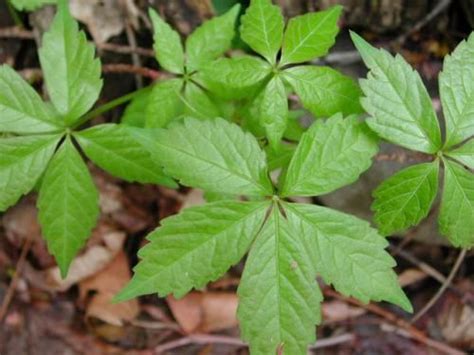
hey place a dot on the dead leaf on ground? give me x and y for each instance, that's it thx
(411, 276)
(199, 312)
(338, 311)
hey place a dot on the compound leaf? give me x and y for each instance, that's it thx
(195, 247)
(279, 297)
(71, 71)
(262, 28)
(164, 103)
(348, 253)
(324, 91)
(331, 154)
(456, 217)
(405, 198)
(22, 162)
(456, 85)
(115, 149)
(214, 155)
(167, 45)
(397, 101)
(21, 108)
(68, 205)
(197, 103)
(310, 36)
(210, 40)
(464, 154)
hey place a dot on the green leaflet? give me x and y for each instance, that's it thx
(273, 107)
(397, 101)
(197, 104)
(406, 198)
(347, 253)
(164, 103)
(115, 149)
(195, 247)
(331, 154)
(464, 154)
(212, 39)
(68, 205)
(136, 111)
(71, 72)
(22, 162)
(234, 78)
(21, 109)
(279, 297)
(167, 45)
(456, 217)
(309, 36)
(262, 28)
(456, 85)
(30, 5)
(214, 155)
(324, 91)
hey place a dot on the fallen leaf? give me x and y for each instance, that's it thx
(411, 276)
(337, 311)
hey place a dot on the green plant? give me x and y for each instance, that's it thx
(401, 112)
(289, 243)
(40, 150)
(30, 4)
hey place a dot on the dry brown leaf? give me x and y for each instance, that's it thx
(337, 311)
(105, 285)
(199, 312)
(411, 276)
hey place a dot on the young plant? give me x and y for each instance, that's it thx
(40, 148)
(401, 112)
(288, 243)
(30, 5)
(322, 90)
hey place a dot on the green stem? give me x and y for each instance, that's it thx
(109, 106)
(14, 14)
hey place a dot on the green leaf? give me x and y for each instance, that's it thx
(324, 91)
(331, 154)
(406, 198)
(274, 110)
(21, 108)
(136, 111)
(262, 28)
(115, 149)
(280, 157)
(348, 253)
(195, 247)
(234, 78)
(310, 36)
(164, 103)
(397, 101)
(71, 71)
(68, 205)
(456, 217)
(279, 297)
(464, 154)
(456, 85)
(167, 45)
(22, 162)
(197, 103)
(30, 5)
(210, 40)
(214, 155)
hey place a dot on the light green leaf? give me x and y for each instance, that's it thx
(71, 71)
(136, 111)
(214, 155)
(22, 162)
(324, 91)
(397, 101)
(21, 108)
(197, 103)
(464, 154)
(279, 297)
(456, 217)
(406, 198)
(30, 5)
(281, 157)
(195, 247)
(164, 103)
(331, 154)
(456, 85)
(68, 205)
(115, 149)
(273, 107)
(235, 78)
(262, 28)
(310, 36)
(210, 40)
(167, 45)
(348, 253)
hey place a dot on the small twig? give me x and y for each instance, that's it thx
(131, 69)
(14, 282)
(443, 287)
(155, 325)
(402, 156)
(133, 43)
(16, 32)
